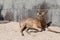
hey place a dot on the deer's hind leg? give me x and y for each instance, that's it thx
(29, 30)
(22, 29)
(35, 30)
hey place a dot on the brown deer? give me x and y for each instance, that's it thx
(41, 17)
(33, 23)
(30, 23)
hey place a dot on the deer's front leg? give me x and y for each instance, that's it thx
(22, 29)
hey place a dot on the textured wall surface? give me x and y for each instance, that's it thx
(26, 8)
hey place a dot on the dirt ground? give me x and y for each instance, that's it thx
(11, 31)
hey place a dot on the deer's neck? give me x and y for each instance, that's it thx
(40, 18)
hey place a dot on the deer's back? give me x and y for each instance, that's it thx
(30, 22)
(33, 22)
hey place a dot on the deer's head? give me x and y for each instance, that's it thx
(41, 13)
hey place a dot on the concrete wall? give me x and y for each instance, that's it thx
(26, 8)
(54, 13)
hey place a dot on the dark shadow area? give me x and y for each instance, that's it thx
(9, 16)
(1, 17)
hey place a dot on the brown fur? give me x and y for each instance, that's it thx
(33, 23)
(29, 23)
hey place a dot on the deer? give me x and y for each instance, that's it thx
(30, 23)
(41, 17)
(33, 23)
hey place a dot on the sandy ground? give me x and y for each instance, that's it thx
(11, 31)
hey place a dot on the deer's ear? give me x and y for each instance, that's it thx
(46, 10)
(37, 10)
